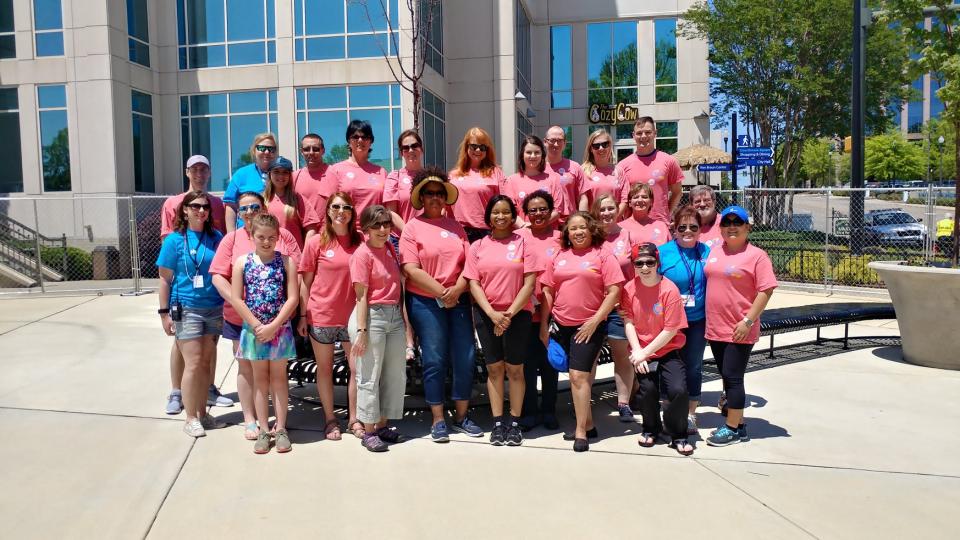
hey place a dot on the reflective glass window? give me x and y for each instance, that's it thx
(8, 42)
(522, 50)
(431, 25)
(561, 77)
(667, 137)
(665, 59)
(142, 116)
(434, 130)
(54, 137)
(337, 29)
(216, 33)
(11, 181)
(138, 32)
(612, 62)
(48, 27)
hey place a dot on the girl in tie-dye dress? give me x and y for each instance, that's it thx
(265, 294)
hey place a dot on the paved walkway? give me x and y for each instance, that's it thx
(852, 445)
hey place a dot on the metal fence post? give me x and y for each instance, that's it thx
(134, 253)
(931, 226)
(826, 244)
(36, 246)
(63, 250)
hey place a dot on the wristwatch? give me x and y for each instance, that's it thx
(163, 311)
(747, 321)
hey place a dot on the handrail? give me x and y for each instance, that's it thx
(14, 225)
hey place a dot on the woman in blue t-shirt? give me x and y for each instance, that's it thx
(252, 177)
(681, 261)
(190, 307)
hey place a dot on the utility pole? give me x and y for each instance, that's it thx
(861, 19)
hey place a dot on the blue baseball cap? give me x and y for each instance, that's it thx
(280, 163)
(735, 211)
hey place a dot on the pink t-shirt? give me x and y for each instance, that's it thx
(331, 297)
(569, 177)
(379, 270)
(659, 170)
(499, 264)
(541, 248)
(314, 187)
(602, 181)
(619, 245)
(517, 186)
(475, 191)
(654, 231)
(579, 279)
(398, 189)
(303, 219)
(365, 185)
(733, 281)
(654, 309)
(169, 213)
(238, 243)
(438, 245)
(710, 233)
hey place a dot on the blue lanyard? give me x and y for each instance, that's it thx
(201, 249)
(690, 273)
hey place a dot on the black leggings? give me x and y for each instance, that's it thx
(671, 374)
(731, 361)
(534, 365)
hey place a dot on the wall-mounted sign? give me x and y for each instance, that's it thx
(604, 113)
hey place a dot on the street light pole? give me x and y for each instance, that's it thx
(940, 142)
(861, 18)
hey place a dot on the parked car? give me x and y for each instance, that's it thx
(893, 227)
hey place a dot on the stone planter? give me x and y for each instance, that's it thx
(927, 301)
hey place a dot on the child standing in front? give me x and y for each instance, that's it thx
(265, 293)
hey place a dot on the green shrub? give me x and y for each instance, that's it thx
(806, 266)
(79, 263)
(853, 270)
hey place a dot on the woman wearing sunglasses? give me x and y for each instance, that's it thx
(477, 178)
(289, 207)
(234, 244)
(531, 164)
(598, 176)
(399, 182)
(326, 303)
(190, 307)
(433, 252)
(654, 318)
(252, 177)
(581, 286)
(642, 227)
(740, 281)
(358, 177)
(682, 261)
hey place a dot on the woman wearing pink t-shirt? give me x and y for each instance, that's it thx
(378, 331)
(501, 276)
(580, 289)
(532, 177)
(617, 242)
(642, 227)
(326, 303)
(398, 182)
(477, 178)
(740, 281)
(356, 176)
(598, 171)
(542, 243)
(654, 317)
(288, 206)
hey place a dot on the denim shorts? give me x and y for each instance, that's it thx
(328, 335)
(231, 331)
(615, 329)
(198, 322)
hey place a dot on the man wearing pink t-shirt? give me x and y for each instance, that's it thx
(311, 181)
(568, 174)
(704, 200)
(653, 167)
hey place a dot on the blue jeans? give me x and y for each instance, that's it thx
(446, 342)
(692, 355)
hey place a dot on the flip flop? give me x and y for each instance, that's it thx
(647, 440)
(250, 431)
(357, 432)
(331, 430)
(679, 444)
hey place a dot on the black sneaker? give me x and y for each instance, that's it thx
(497, 435)
(514, 437)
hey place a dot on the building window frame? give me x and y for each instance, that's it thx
(302, 40)
(433, 129)
(52, 107)
(48, 33)
(523, 61)
(665, 60)
(138, 32)
(431, 15)
(13, 172)
(141, 112)
(616, 91)
(8, 34)
(668, 132)
(189, 53)
(561, 55)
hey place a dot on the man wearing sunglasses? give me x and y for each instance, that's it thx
(568, 174)
(198, 175)
(310, 182)
(650, 166)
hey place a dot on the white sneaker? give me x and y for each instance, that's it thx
(216, 399)
(692, 424)
(194, 428)
(174, 402)
(209, 422)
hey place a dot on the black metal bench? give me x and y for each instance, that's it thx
(783, 320)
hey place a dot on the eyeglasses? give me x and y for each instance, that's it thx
(432, 193)
(386, 224)
(306, 149)
(543, 210)
(410, 147)
(249, 208)
(600, 145)
(555, 141)
(265, 148)
(685, 228)
(198, 206)
(477, 147)
(359, 137)
(735, 222)
(344, 207)
(643, 263)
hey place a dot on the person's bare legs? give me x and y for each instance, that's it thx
(495, 373)
(176, 366)
(212, 362)
(245, 387)
(279, 389)
(351, 384)
(194, 375)
(623, 372)
(323, 353)
(580, 391)
(261, 387)
(518, 387)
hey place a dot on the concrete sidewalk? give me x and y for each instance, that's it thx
(856, 445)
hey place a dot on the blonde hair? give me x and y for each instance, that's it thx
(489, 162)
(289, 197)
(259, 138)
(588, 164)
(595, 207)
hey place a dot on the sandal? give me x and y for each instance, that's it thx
(682, 447)
(331, 430)
(357, 432)
(647, 440)
(250, 431)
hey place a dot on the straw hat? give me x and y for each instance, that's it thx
(426, 176)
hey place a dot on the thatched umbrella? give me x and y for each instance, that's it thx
(700, 154)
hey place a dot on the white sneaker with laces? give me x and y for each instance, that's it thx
(194, 428)
(174, 402)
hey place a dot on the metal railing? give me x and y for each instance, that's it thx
(96, 244)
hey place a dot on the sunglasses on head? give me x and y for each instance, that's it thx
(255, 207)
(732, 222)
(198, 206)
(265, 148)
(685, 228)
(344, 207)
(433, 193)
(600, 145)
(477, 147)
(311, 149)
(643, 263)
(409, 147)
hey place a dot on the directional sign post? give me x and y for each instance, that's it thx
(714, 167)
(743, 140)
(755, 161)
(755, 151)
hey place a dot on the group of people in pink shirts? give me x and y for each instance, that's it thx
(550, 262)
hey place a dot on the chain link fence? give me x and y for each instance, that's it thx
(99, 244)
